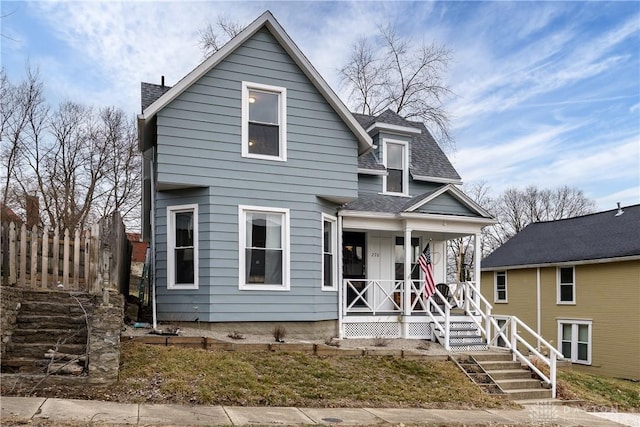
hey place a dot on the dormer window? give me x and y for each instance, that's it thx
(264, 134)
(396, 160)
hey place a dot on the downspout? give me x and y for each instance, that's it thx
(152, 224)
(340, 277)
(538, 316)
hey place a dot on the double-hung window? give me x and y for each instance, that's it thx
(566, 292)
(264, 116)
(182, 247)
(264, 248)
(329, 253)
(396, 160)
(574, 338)
(500, 294)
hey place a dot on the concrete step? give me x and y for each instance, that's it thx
(24, 321)
(51, 336)
(492, 356)
(526, 394)
(511, 374)
(518, 384)
(500, 365)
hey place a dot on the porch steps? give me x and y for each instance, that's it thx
(517, 382)
(47, 320)
(463, 335)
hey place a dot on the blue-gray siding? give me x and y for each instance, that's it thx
(199, 145)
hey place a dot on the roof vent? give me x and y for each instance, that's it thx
(620, 211)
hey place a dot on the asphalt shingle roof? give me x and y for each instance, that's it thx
(383, 203)
(150, 92)
(591, 237)
(427, 158)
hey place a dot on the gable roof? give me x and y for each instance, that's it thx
(389, 204)
(428, 161)
(598, 236)
(266, 20)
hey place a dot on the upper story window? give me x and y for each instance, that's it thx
(264, 128)
(264, 248)
(500, 292)
(566, 289)
(396, 160)
(329, 253)
(182, 247)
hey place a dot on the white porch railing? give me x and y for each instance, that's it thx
(512, 336)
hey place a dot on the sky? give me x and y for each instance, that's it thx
(545, 93)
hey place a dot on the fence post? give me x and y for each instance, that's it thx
(12, 255)
(56, 256)
(65, 259)
(76, 258)
(22, 277)
(45, 257)
(87, 259)
(34, 256)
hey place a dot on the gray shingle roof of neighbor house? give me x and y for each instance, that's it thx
(597, 236)
(427, 158)
(150, 92)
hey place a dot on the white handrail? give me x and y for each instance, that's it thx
(512, 342)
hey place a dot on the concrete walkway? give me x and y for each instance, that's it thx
(105, 413)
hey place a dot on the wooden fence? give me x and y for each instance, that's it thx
(50, 258)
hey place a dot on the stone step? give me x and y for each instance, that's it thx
(502, 365)
(37, 350)
(55, 296)
(37, 308)
(51, 336)
(18, 362)
(49, 322)
(511, 374)
(527, 394)
(518, 384)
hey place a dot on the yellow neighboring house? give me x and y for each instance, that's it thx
(578, 281)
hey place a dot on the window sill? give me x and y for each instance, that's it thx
(182, 287)
(280, 288)
(395, 194)
(264, 157)
(566, 303)
(327, 289)
(501, 302)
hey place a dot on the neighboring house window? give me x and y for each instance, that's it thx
(574, 338)
(566, 285)
(329, 251)
(182, 247)
(264, 128)
(500, 294)
(264, 248)
(396, 160)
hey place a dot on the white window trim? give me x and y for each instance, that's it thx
(242, 209)
(495, 288)
(574, 344)
(334, 249)
(171, 244)
(573, 300)
(405, 169)
(282, 116)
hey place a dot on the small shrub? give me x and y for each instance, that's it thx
(235, 335)
(279, 332)
(380, 342)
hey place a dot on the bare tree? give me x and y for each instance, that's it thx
(213, 37)
(22, 109)
(391, 72)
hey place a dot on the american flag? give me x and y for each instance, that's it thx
(425, 265)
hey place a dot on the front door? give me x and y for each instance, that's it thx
(354, 267)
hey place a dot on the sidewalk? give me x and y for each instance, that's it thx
(105, 413)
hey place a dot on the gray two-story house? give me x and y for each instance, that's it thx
(266, 201)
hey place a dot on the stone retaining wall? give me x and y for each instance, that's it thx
(10, 298)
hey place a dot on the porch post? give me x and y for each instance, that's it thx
(407, 282)
(476, 267)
